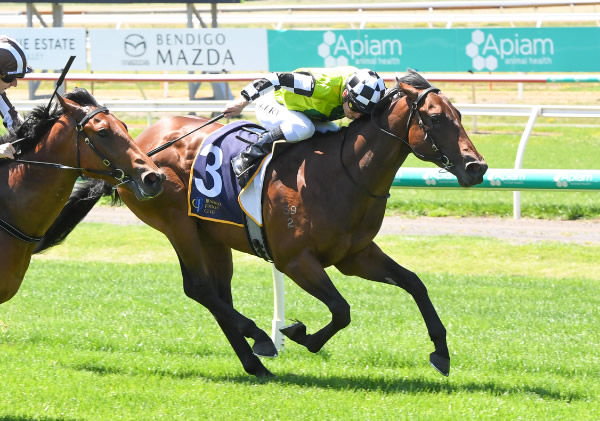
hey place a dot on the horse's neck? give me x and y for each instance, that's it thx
(374, 155)
(36, 193)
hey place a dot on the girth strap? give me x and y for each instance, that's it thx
(17, 233)
(257, 238)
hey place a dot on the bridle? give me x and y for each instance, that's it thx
(414, 110)
(114, 172)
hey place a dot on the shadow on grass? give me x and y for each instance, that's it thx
(378, 384)
(405, 385)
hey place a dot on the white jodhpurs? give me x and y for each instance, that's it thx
(295, 125)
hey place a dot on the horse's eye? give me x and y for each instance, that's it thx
(103, 133)
(436, 120)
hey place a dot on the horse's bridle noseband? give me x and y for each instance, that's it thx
(116, 173)
(414, 110)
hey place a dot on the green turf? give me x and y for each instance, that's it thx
(102, 330)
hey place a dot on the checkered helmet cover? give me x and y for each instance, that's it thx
(364, 89)
(13, 61)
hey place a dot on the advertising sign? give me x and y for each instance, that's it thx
(210, 50)
(50, 48)
(450, 50)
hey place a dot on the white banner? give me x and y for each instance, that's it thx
(50, 48)
(208, 50)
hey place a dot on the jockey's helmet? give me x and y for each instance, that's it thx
(364, 89)
(13, 62)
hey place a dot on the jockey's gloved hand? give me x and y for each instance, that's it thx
(235, 107)
(7, 150)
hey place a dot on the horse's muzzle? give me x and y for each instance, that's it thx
(472, 173)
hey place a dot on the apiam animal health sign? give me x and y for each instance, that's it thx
(450, 50)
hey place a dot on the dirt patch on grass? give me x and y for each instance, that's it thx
(515, 230)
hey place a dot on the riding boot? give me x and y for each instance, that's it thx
(243, 165)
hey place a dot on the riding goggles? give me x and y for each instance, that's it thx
(9, 78)
(354, 106)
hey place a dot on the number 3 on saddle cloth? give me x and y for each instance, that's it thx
(214, 193)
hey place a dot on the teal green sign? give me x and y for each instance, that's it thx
(439, 50)
(503, 179)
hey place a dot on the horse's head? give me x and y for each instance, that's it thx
(434, 129)
(107, 150)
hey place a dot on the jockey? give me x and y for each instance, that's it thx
(311, 99)
(13, 66)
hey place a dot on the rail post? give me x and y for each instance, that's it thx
(535, 111)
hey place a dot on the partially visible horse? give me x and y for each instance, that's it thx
(337, 185)
(54, 149)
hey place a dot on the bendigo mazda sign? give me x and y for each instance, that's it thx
(212, 50)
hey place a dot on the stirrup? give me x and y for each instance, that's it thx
(245, 176)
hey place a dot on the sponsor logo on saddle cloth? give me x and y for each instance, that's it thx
(214, 192)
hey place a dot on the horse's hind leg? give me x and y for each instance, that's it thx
(373, 264)
(310, 276)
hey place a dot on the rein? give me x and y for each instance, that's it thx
(414, 110)
(117, 173)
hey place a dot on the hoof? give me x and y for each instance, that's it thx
(296, 331)
(264, 374)
(265, 349)
(441, 364)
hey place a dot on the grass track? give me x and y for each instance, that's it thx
(90, 337)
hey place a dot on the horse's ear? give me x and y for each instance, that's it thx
(411, 92)
(69, 107)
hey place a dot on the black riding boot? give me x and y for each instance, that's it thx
(243, 164)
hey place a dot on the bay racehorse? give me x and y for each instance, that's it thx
(337, 185)
(54, 149)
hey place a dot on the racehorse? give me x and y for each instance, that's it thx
(86, 139)
(334, 188)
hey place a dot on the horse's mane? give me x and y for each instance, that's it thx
(414, 79)
(38, 122)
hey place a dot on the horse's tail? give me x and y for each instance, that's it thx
(84, 196)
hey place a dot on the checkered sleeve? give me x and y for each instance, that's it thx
(10, 117)
(301, 83)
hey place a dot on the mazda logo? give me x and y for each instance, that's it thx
(135, 45)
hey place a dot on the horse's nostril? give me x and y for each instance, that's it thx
(153, 178)
(476, 169)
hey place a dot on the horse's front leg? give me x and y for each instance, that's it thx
(14, 261)
(373, 264)
(308, 273)
(233, 324)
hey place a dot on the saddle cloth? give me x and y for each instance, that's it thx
(214, 192)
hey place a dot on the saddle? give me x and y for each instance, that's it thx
(214, 193)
